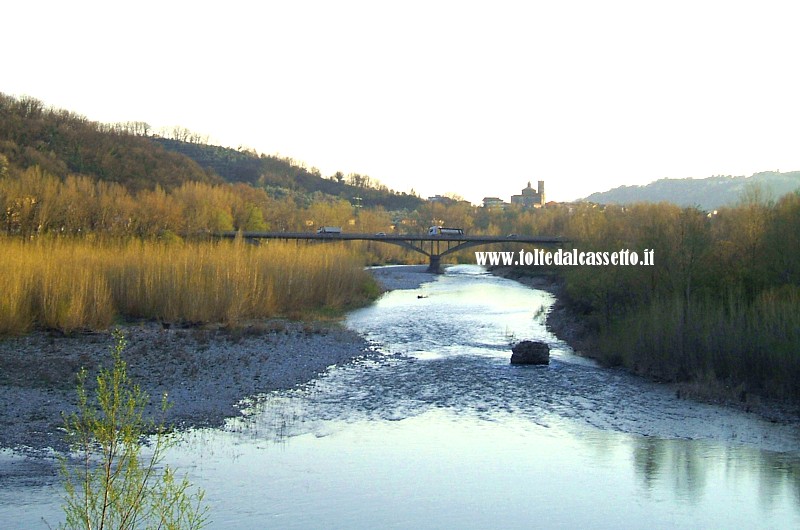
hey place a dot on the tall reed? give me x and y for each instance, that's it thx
(53, 286)
(16, 292)
(77, 284)
(750, 346)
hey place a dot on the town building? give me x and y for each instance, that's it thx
(529, 197)
(494, 203)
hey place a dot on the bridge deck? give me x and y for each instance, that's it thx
(433, 246)
(352, 236)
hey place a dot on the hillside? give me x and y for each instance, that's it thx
(275, 172)
(61, 142)
(708, 193)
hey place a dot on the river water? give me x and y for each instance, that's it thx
(438, 430)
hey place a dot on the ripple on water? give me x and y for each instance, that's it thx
(437, 429)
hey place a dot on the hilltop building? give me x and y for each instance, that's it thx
(529, 197)
(444, 199)
(494, 203)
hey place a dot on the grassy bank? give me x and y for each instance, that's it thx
(733, 347)
(71, 285)
(728, 348)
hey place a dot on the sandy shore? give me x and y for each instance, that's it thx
(205, 372)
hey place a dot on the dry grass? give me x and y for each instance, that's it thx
(71, 285)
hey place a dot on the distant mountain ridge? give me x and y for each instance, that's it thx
(708, 194)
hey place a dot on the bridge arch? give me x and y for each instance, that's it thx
(435, 257)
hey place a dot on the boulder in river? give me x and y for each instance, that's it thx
(530, 352)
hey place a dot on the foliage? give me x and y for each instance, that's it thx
(720, 304)
(62, 143)
(35, 202)
(749, 347)
(114, 188)
(244, 165)
(110, 485)
(76, 284)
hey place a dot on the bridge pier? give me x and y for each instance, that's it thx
(435, 264)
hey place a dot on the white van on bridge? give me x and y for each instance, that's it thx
(442, 231)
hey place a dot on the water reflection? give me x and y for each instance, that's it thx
(728, 481)
(453, 358)
(437, 430)
(510, 470)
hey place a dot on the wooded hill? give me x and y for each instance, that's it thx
(244, 165)
(61, 142)
(707, 194)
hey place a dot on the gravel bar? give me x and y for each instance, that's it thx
(205, 373)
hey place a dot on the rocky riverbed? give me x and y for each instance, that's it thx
(205, 372)
(570, 327)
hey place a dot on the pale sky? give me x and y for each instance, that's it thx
(472, 98)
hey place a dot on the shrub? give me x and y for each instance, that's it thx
(112, 486)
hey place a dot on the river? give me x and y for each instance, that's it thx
(438, 430)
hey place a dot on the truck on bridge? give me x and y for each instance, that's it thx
(442, 231)
(329, 230)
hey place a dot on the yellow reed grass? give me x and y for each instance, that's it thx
(77, 284)
(16, 281)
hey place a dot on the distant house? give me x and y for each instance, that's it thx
(443, 199)
(494, 203)
(529, 197)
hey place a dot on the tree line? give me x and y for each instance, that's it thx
(720, 309)
(35, 202)
(719, 306)
(62, 143)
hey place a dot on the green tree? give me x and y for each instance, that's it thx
(113, 486)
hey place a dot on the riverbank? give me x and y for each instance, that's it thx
(205, 372)
(391, 277)
(570, 327)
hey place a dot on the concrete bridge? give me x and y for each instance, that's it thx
(433, 246)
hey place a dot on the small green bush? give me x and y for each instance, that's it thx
(108, 484)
